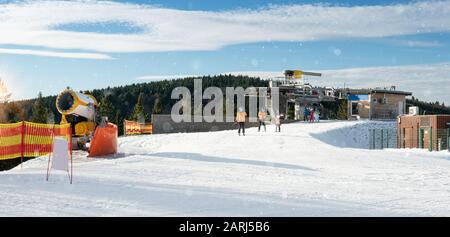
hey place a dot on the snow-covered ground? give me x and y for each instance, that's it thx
(301, 171)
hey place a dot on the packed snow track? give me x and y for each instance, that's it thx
(298, 172)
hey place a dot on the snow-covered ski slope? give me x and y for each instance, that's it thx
(298, 172)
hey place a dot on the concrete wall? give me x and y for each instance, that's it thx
(163, 123)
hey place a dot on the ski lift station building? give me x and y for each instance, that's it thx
(296, 92)
(376, 104)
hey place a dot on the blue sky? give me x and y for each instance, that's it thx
(106, 44)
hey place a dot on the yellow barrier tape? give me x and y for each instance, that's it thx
(10, 125)
(9, 156)
(35, 153)
(37, 140)
(43, 125)
(10, 141)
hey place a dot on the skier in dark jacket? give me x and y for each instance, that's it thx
(305, 114)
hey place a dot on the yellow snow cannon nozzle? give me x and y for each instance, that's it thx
(71, 102)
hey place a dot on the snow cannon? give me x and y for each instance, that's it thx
(79, 110)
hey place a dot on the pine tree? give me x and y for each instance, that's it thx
(14, 113)
(117, 117)
(138, 111)
(106, 108)
(119, 122)
(157, 107)
(341, 112)
(39, 112)
(291, 112)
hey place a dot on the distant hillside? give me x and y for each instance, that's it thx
(124, 98)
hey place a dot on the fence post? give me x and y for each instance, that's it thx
(430, 144)
(22, 144)
(382, 139)
(373, 138)
(448, 139)
(372, 134)
(387, 138)
(420, 138)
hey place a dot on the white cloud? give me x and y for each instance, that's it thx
(427, 82)
(419, 79)
(414, 43)
(46, 53)
(36, 23)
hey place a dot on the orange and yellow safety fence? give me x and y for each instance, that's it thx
(136, 128)
(10, 140)
(26, 139)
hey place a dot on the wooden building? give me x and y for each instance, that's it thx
(423, 131)
(379, 104)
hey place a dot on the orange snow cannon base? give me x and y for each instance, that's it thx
(104, 142)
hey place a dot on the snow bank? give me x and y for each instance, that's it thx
(353, 134)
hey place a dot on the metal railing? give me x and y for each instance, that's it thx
(421, 138)
(382, 138)
(425, 138)
(442, 140)
(384, 114)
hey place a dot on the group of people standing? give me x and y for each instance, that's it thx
(311, 114)
(240, 120)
